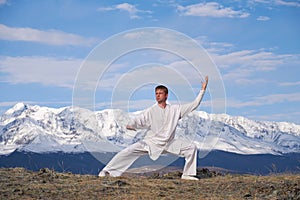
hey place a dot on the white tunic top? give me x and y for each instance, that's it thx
(162, 123)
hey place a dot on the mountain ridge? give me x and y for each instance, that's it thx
(69, 129)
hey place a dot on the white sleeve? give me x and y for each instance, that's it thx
(189, 107)
(141, 120)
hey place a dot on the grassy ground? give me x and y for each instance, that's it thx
(19, 183)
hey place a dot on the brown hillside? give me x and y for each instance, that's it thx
(18, 183)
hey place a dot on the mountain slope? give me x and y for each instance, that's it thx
(42, 129)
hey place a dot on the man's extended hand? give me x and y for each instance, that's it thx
(130, 128)
(204, 84)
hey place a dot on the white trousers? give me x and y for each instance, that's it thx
(125, 158)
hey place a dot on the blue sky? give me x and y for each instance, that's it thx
(254, 44)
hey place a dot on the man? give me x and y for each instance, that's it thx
(161, 121)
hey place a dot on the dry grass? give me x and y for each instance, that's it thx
(19, 183)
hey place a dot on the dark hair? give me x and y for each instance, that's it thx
(162, 87)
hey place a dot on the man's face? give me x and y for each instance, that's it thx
(160, 95)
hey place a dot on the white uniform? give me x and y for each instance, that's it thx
(161, 123)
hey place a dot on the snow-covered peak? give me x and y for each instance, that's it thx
(256, 129)
(18, 106)
(16, 110)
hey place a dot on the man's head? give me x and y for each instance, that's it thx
(161, 93)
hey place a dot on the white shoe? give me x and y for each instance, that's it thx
(103, 174)
(187, 177)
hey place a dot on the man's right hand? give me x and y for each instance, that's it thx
(130, 128)
(204, 84)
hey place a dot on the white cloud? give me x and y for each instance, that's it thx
(253, 59)
(289, 116)
(261, 1)
(49, 37)
(131, 9)
(211, 9)
(241, 67)
(62, 73)
(263, 18)
(279, 2)
(2, 2)
(297, 83)
(135, 35)
(151, 73)
(130, 105)
(264, 100)
(287, 3)
(43, 70)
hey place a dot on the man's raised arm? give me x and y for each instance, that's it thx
(187, 108)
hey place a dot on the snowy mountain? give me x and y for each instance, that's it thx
(42, 129)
